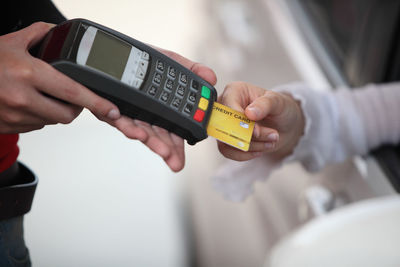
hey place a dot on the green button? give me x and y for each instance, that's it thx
(205, 92)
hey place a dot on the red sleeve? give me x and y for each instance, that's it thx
(8, 150)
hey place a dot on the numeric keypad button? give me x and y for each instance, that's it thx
(195, 85)
(157, 78)
(169, 84)
(164, 96)
(192, 97)
(183, 78)
(172, 72)
(180, 91)
(176, 102)
(160, 66)
(152, 90)
(188, 109)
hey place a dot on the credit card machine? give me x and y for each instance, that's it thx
(144, 83)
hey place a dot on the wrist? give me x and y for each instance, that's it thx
(295, 131)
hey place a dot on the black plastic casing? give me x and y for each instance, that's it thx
(59, 48)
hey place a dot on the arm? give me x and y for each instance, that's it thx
(335, 126)
(343, 123)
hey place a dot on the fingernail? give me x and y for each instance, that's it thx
(256, 132)
(140, 123)
(156, 128)
(255, 110)
(176, 139)
(269, 145)
(273, 137)
(113, 114)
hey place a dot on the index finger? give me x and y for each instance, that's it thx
(203, 71)
(238, 95)
(50, 81)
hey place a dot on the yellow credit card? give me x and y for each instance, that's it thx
(230, 126)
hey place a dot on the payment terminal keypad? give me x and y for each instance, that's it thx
(174, 89)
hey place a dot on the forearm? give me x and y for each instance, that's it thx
(379, 109)
(338, 124)
(344, 123)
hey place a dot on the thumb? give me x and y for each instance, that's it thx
(270, 103)
(34, 33)
(237, 95)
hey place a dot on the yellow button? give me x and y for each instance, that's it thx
(203, 104)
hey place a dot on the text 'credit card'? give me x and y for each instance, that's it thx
(230, 126)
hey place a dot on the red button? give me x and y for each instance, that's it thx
(199, 115)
